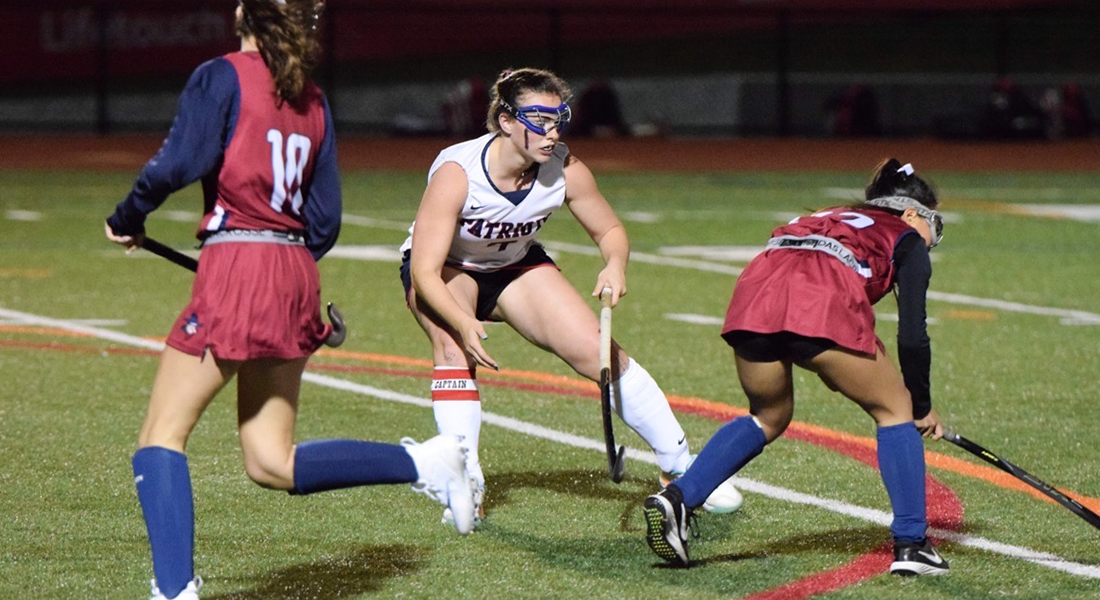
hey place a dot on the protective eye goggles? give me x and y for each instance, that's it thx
(934, 218)
(935, 225)
(540, 119)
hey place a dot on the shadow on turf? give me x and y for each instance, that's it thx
(584, 483)
(854, 541)
(355, 573)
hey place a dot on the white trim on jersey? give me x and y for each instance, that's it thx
(492, 232)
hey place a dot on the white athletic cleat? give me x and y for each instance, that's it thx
(479, 508)
(723, 500)
(441, 465)
(191, 592)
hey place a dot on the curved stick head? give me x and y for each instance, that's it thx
(618, 470)
(339, 329)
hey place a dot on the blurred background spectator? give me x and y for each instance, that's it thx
(1011, 114)
(464, 110)
(598, 113)
(853, 113)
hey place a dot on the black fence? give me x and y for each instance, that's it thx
(736, 70)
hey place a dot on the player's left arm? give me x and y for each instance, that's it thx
(914, 271)
(324, 200)
(598, 219)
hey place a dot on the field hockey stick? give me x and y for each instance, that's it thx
(1002, 464)
(171, 254)
(615, 466)
(339, 329)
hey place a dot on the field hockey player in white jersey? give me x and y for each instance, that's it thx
(472, 256)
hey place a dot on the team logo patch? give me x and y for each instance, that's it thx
(191, 325)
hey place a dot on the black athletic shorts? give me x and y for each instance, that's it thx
(490, 284)
(771, 347)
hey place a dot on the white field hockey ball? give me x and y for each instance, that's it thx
(724, 499)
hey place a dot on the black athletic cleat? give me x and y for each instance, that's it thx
(667, 526)
(920, 558)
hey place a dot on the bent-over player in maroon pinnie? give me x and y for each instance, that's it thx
(806, 301)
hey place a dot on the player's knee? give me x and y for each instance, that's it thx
(773, 421)
(585, 360)
(269, 470)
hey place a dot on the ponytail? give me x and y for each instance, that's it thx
(892, 178)
(285, 36)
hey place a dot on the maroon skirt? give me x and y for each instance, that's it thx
(253, 300)
(808, 293)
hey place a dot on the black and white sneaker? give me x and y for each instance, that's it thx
(667, 527)
(919, 558)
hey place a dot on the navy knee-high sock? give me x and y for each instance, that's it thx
(322, 465)
(731, 448)
(901, 463)
(164, 490)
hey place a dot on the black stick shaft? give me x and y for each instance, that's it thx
(171, 254)
(1073, 505)
(615, 465)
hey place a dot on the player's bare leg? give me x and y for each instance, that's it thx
(456, 401)
(543, 307)
(183, 388)
(770, 390)
(875, 384)
(267, 407)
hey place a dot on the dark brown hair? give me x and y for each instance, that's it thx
(511, 84)
(285, 36)
(890, 179)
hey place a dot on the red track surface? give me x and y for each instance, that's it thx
(129, 153)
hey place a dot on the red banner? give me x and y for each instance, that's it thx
(59, 41)
(62, 44)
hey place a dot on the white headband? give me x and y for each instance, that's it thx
(900, 203)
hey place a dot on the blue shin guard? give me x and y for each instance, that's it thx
(901, 463)
(731, 448)
(323, 465)
(164, 490)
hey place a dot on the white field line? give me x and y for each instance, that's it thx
(365, 221)
(1069, 317)
(23, 318)
(875, 516)
(96, 322)
(699, 265)
(712, 320)
(23, 215)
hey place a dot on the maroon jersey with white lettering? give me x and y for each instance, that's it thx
(271, 152)
(811, 290)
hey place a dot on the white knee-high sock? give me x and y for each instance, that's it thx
(643, 407)
(457, 407)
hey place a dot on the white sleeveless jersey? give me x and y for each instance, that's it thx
(492, 232)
